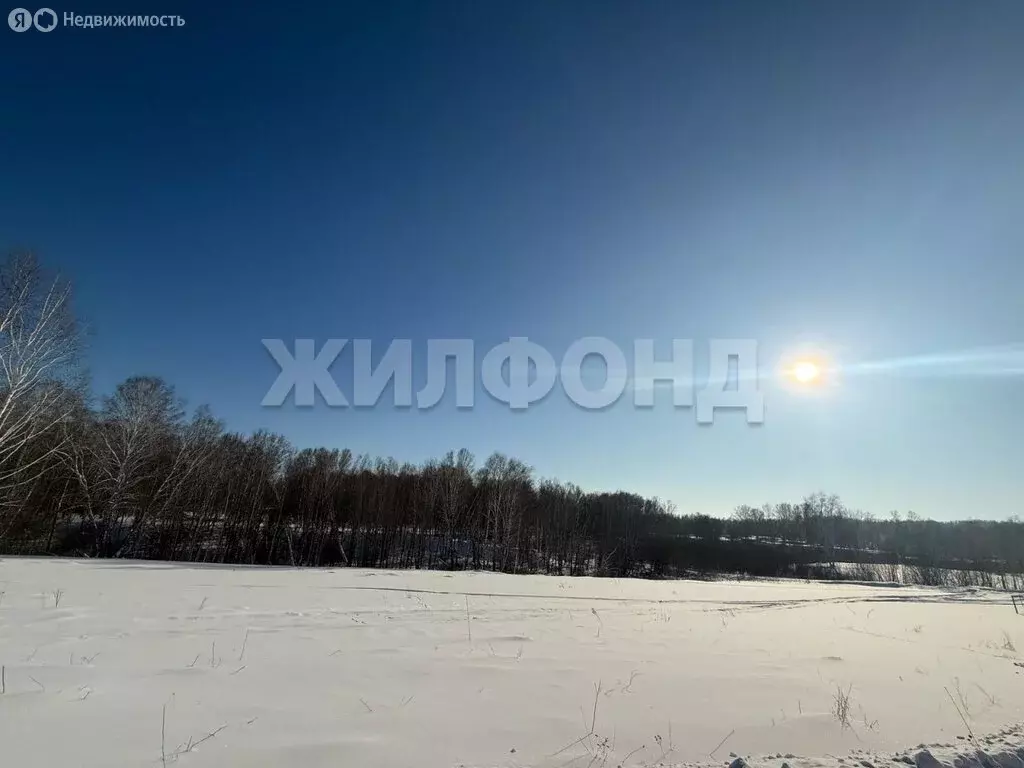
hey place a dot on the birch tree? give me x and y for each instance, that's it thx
(39, 348)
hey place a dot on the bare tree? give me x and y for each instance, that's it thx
(140, 424)
(39, 348)
(455, 476)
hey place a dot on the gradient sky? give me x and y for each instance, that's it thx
(850, 174)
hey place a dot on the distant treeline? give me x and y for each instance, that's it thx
(135, 477)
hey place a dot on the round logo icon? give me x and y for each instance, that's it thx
(20, 20)
(45, 20)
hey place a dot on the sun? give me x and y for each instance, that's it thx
(809, 370)
(806, 371)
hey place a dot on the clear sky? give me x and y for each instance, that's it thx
(846, 173)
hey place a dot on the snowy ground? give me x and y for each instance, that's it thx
(128, 664)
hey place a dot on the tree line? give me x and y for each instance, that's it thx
(135, 475)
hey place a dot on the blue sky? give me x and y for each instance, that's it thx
(846, 174)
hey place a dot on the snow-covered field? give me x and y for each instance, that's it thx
(135, 664)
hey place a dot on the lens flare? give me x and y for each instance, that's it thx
(813, 370)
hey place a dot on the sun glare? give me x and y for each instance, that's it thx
(806, 371)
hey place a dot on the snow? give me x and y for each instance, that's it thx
(111, 663)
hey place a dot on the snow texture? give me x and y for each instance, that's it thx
(110, 663)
